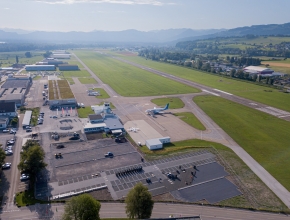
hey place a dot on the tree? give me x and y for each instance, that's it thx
(139, 203)
(2, 156)
(17, 60)
(47, 54)
(32, 160)
(232, 72)
(82, 207)
(27, 55)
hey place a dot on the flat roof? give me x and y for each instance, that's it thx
(98, 125)
(39, 66)
(16, 83)
(113, 123)
(155, 141)
(26, 118)
(257, 68)
(95, 116)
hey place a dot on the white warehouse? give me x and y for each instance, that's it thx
(40, 67)
(157, 143)
(60, 56)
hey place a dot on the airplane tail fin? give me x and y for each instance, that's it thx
(166, 107)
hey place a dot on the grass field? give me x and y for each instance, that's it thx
(88, 80)
(104, 94)
(264, 137)
(9, 58)
(174, 103)
(244, 89)
(76, 73)
(37, 77)
(190, 119)
(84, 112)
(128, 80)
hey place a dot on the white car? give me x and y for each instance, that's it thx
(24, 176)
(12, 131)
(5, 130)
(6, 166)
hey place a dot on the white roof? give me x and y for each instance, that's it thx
(257, 68)
(153, 141)
(98, 125)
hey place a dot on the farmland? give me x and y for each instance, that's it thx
(264, 137)
(64, 89)
(240, 88)
(128, 80)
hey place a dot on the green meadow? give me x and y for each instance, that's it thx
(264, 137)
(128, 80)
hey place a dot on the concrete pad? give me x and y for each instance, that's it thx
(144, 132)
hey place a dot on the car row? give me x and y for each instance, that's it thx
(11, 131)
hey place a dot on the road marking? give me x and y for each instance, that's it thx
(210, 92)
(222, 92)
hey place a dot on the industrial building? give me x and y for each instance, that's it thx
(26, 119)
(257, 70)
(62, 103)
(4, 122)
(103, 120)
(157, 143)
(40, 68)
(60, 56)
(8, 109)
(59, 52)
(50, 62)
(67, 67)
(14, 89)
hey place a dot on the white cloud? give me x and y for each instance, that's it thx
(6, 8)
(125, 2)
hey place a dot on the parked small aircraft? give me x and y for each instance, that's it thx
(156, 110)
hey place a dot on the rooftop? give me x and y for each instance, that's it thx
(154, 141)
(7, 107)
(257, 68)
(95, 117)
(16, 83)
(113, 123)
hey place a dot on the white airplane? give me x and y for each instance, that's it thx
(93, 93)
(156, 110)
(133, 129)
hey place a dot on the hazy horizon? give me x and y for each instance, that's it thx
(142, 15)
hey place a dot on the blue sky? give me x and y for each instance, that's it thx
(145, 15)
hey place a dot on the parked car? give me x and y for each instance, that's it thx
(12, 131)
(27, 127)
(8, 152)
(24, 176)
(109, 154)
(54, 116)
(28, 130)
(5, 130)
(6, 166)
(42, 113)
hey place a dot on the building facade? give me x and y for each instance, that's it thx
(8, 109)
(66, 67)
(40, 68)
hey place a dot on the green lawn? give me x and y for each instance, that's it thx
(174, 103)
(76, 73)
(84, 112)
(37, 77)
(9, 58)
(264, 137)
(26, 198)
(190, 119)
(88, 80)
(241, 88)
(128, 80)
(104, 94)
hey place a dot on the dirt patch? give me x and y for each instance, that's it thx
(166, 197)
(94, 136)
(277, 64)
(102, 194)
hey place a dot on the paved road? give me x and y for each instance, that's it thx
(160, 210)
(266, 177)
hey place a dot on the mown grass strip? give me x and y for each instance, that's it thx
(264, 137)
(174, 103)
(128, 80)
(88, 80)
(241, 88)
(190, 119)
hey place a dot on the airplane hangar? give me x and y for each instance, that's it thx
(141, 132)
